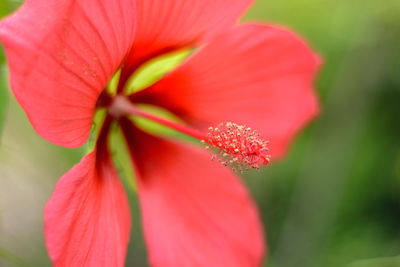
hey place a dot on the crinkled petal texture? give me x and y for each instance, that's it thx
(195, 212)
(61, 55)
(167, 25)
(259, 76)
(87, 219)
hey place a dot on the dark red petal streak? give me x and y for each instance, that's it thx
(255, 75)
(166, 25)
(87, 219)
(195, 212)
(61, 55)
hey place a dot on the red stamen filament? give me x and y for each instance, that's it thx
(239, 147)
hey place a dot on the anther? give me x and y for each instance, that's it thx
(242, 149)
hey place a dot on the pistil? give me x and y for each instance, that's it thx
(237, 146)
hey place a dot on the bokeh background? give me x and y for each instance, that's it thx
(333, 201)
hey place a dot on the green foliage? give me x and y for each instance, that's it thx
(3, 96)
(380, 262)
(11, 258)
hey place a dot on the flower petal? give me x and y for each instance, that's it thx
(61, 55)
(87, 219)
(195, 211)
(259, 76)
(168, 25)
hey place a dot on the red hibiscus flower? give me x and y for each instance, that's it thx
(195, 212)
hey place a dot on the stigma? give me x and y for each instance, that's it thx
(237, 146)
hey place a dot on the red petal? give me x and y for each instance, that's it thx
(195, 211)
(87, 219)
(255, 75)
(61, 55)
(166, 25)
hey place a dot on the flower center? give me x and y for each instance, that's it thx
(233, 145)
(237, 146)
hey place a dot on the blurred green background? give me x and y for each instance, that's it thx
(333, 201)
